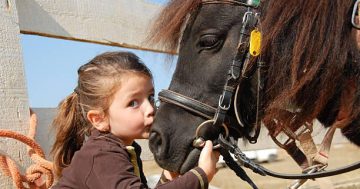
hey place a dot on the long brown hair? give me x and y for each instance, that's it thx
(98, 80)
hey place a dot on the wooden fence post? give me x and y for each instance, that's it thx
(14, 106)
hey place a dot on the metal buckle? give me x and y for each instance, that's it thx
(246, 16)
(224, 107)
(353, 17)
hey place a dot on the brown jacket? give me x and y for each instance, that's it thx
(104, 162)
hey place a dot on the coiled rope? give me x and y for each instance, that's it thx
(35, 173)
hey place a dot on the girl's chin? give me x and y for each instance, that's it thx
(145, 135)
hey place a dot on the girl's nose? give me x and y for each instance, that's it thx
(150, 109)
(149, 114)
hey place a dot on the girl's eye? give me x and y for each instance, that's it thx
(151, 98)
(134, 103)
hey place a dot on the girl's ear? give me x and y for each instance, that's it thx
(98, 120)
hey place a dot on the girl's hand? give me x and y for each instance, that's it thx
(208, 159)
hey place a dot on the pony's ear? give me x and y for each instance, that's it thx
(98, 120)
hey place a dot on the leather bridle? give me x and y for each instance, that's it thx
(216, 115)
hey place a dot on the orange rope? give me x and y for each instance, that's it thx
(35, 172)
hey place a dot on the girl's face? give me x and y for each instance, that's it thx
(131, 112)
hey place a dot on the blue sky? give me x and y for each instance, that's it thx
(51, 66)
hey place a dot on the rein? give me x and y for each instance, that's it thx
(216, 116)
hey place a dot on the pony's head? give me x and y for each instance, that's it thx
(308, 52)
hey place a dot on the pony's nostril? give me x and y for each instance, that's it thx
(155, 143)
(155, 138)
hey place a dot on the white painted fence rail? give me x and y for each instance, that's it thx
(123, 23)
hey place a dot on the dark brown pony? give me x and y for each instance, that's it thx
(313, 69)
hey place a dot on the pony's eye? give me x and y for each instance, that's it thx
(208, 41)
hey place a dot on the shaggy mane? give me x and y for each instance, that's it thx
(166, 30)
(312, 55)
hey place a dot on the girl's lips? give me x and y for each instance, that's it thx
(147, 128)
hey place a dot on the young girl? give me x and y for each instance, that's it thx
(114, 105)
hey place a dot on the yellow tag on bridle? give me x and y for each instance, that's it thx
(255, 42)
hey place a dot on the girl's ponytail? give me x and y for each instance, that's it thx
(69, 124)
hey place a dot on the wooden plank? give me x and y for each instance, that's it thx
(14, 108)
(123, 23)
